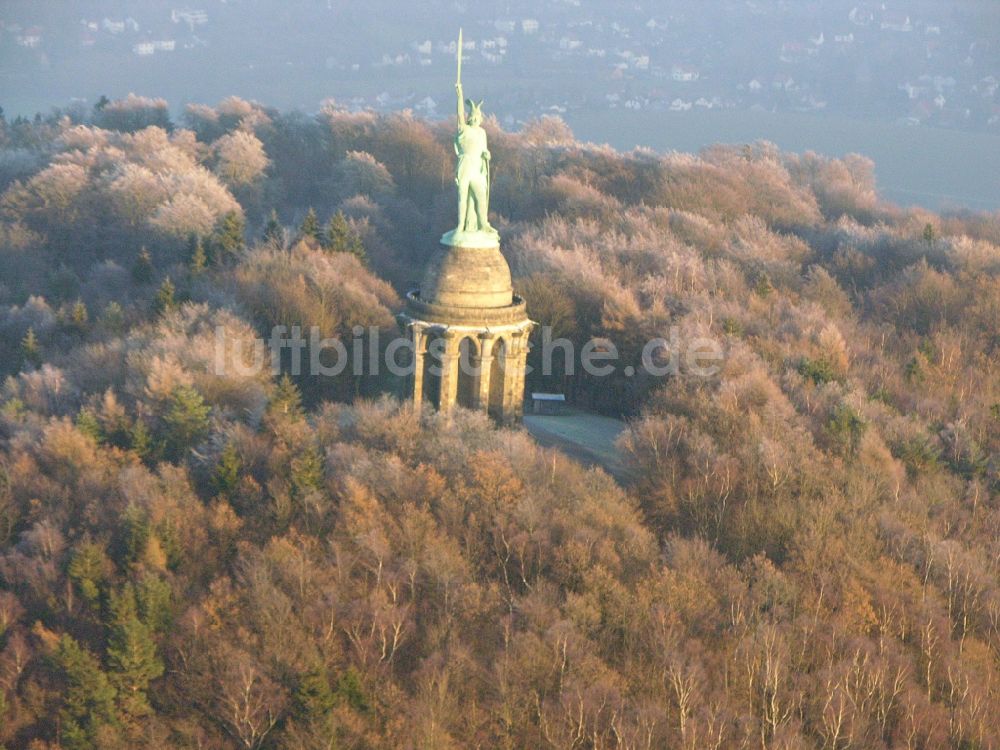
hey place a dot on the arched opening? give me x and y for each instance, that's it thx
(497, 370)
(432, 369)
(468, 373)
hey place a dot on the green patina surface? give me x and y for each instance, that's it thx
(472, 172)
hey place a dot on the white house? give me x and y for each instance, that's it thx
(399, 59)
(684, 73)
(31, 38)
(896, 21)
(529, 26)
(191, 17)
(113, 27)
(783, 82)
(143, 49)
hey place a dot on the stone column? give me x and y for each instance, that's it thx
(484, 362)
(419, 339)
(449, 373)
(510, 378)
(522, 363)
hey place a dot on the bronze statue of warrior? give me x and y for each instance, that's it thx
(472, 175)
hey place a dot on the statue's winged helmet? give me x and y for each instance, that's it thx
(476, 115)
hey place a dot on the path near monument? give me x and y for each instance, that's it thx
(586, 437)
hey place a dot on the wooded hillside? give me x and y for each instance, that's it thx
(807, 555)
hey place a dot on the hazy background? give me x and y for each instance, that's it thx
(914, 85)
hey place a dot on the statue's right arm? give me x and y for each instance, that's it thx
(461, 105)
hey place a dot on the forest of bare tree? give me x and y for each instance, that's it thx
(805, 552)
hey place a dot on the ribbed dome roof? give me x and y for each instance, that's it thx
(468, 277)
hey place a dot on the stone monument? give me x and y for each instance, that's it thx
(468, 329)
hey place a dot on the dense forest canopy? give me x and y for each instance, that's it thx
(805, 552)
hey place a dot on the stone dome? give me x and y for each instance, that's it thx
(468, 277)
(466, 311)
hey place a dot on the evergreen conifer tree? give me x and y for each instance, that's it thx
(228, 243)
(30, 350)
(88, 698)
(337, 232)
(113, 318)
(227, 471)
(310, 226)
(132, 656)
(314, 696)
(153, 596)
(929, 235)
(274, 233)
(87, 423)
(198, 259)
(165, 297)
(87, 570)
(287, 399)
(142, 441)
(79, 316)
(186, 420)
(307, 472)
(142, 269)
(135, 534)
(341, 237)
(356, 248)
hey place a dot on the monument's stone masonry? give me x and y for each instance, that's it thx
(469, 333)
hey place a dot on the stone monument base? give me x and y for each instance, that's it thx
(479, 238)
